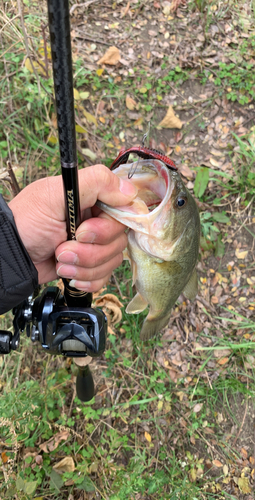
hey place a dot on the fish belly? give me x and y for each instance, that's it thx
(158, 285)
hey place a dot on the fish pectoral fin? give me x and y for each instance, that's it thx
(152, 326)
(191, 289)
(137, 305)
(126, 255)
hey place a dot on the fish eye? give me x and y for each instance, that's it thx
(180, 202)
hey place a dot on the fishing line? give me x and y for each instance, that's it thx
(133, 169)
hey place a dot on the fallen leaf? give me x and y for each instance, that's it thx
(76, 94)
(166, 8)
(241, 254)
(90, 154)
(89, 117)
(147, 436)
(65, 465)
(223, 361)
(80, 130)
(38, 67)
(126, 9)
(225, 470)
(130, 103)
(53, 443)
(111, 57)
(111, 307)
(244, 452)
(170, 120)
(215, 163)
(243, 484)
(143, 90)
(178, 150)
(220, 353)
(197, 407)
(138, 123)
(4, 457)
(217, 463)
(251, 280)
(84, 95)
(186, 171)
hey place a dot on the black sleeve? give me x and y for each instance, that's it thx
(18, 275)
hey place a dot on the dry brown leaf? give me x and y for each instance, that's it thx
(223, 361)
(65, 465)
(111, 307)
(186, 171)
(170, 120)
(220, 353)
(53, 443)
(198, 407)
(130, 103)
(4, 457)
(215, 163)
(217, 463)
(111, 57)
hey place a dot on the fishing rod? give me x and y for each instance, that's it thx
(63, 323)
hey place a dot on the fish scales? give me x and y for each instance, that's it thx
(163, 243)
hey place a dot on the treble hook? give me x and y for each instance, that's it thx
(135, 164)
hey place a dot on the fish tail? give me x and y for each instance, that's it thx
(152, 326)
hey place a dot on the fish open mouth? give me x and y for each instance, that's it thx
(154, 183)
(152, 180)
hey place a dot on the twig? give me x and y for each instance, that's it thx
(13, 181)
(89, 39)
(45, 51)
(76, 5)
(7, 77)
(206, 304)
(240, 430)
(26, 44)
(117, 285)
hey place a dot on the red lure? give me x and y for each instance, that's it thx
(143, 152)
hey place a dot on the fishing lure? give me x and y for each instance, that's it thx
(143, 152)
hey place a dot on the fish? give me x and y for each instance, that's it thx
(163, 241)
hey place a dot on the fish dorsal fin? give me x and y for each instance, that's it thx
(137, 305)
(190, 290)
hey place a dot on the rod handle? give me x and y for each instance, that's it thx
(85, 384)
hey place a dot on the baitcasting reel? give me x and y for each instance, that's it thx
(61, 329)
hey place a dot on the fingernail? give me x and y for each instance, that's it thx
(66, 271)
(127, 188)
(68, 257)
(81, 285)
(86, 237)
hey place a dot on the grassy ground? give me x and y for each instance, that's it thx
(173, 418)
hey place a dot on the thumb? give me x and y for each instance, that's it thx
(100, 183)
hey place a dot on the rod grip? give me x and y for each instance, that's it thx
(85, 384)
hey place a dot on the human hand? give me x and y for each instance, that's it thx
(39, 213)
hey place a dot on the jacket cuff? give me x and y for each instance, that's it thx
(18, 275)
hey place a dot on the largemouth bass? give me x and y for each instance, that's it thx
(163, 241)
